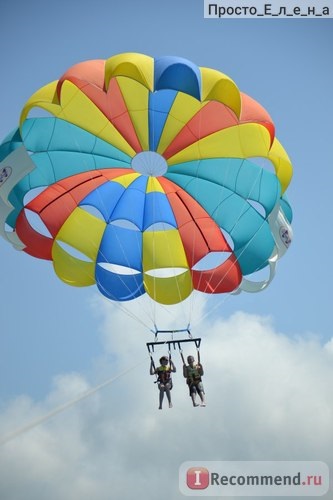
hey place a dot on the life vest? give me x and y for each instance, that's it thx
(163, 374)
(193, 375)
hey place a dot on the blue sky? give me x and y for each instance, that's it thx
(50, 331)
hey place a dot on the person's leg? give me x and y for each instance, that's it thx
(168, 394)
(193, 393)
(201, 393)
(202, 397)
(161, 387)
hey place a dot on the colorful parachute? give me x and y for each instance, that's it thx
(140, 169)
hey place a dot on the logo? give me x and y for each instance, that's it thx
(5, 174)
(197, 478)
(254, 479)
(285, 236)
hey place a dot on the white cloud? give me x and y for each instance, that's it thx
(269, 398)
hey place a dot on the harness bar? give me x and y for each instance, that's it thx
(156, 332)
(174, 343)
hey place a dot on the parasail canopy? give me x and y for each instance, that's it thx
(147, 175)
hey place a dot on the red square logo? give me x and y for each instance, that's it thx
(197, 478)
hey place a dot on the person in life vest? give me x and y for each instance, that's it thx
(193, 373)
(164, 379)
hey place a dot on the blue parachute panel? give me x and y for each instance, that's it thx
(157, 209)
(121, 246)
(159, 106)
(105, 198)
(177, 74)
(133, 197)
(118, 287)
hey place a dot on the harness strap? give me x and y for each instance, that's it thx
(181, 353)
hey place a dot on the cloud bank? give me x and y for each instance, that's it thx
(269, 397)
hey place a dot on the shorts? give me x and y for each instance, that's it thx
(195, 388)
(167, 386)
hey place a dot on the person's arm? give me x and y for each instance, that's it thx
(185, 371)
(200, 368)
(172, 366)
(152, 368)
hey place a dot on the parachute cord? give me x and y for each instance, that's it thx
(60, 409)
(182, 355)
(129, 313)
